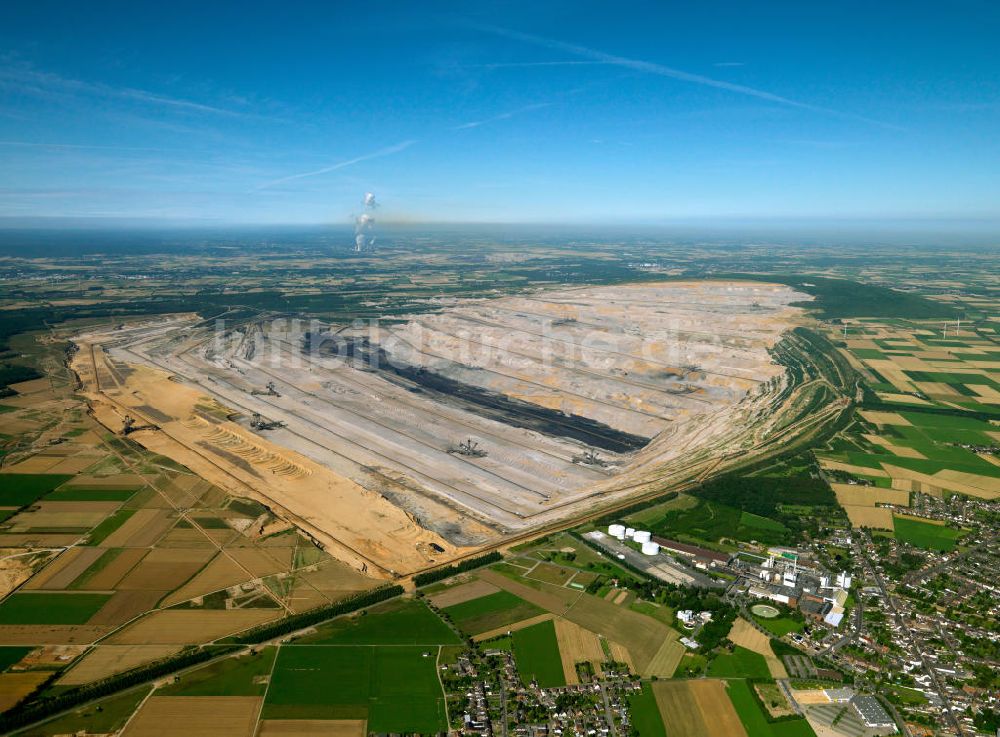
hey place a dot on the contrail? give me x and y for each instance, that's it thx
(660, 70)
(388, 151)
(501, 116)
(44, 84)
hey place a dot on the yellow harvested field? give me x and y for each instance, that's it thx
(907, 398)
(697, 708)
(16, 686)
(952, 480)
(115, 481)
(191, 626)
(126, 605)
(259, 561)
(108, 577)
(874, 518)
(313, 728)
(620, 654)
(164, 569)
(336, 579)
(221, 573)
(196, 716)
(986, 394)
(140, 530)
(852, 494)
(577, 645)
(462, 593)
(893, 374)
(490, 634)
(38, 518)
(900, 450)
(911, 485)
(303, 597)
(666, 659)
(884, 418)
(988, 484)
(106, 660)
(35, 464)
(746, 635)
(54, 569)
(72, 570)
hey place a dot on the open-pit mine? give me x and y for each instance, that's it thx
(412, 440)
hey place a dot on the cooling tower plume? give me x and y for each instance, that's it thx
(364, 225)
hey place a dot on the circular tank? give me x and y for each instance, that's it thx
(650, 548)
(616, 530)
(629, 531)
(642, 536)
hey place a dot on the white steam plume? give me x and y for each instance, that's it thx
(364, 225)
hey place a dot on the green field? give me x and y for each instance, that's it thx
(96, 567)
(645, 714)
(491, 611)
(401, 622)
(779, 626)
(20, 489)
(100, 717)
(57, 608)
(11, 655)
(925, 535)
(755, 721)
(229, 677)
(110, 524)
(741, 663)
(536, 652)
(396, 688)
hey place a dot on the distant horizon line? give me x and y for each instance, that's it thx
(88, 222)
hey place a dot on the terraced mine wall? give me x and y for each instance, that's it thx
(491, 405)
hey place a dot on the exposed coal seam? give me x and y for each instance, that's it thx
(474, 399)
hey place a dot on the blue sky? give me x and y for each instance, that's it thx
(500, 112)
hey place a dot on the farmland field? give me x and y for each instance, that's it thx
(238, 676)
(491, 611)
(741, 663)
(37, 608)
(925, 534)
(103, 717)
(404, 622)
(645, 713)
(780, 626)
(536, 651)
(20, 489)
(697, 708)
(11, 655)
(396, 688)
(755, 722)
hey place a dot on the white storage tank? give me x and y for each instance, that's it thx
(650, 548)
(642, 536)
(616, 531)
(629, 531)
